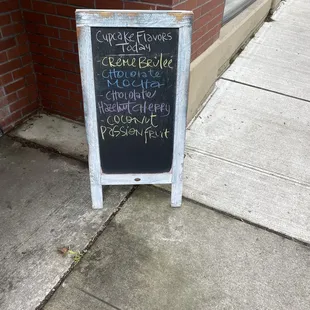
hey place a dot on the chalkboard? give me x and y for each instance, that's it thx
(135, 73)
(135, 86)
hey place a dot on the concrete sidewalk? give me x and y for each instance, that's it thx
(248, 151)
(44, 205)
(247, 155)
(154, 257)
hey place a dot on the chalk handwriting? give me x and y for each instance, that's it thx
(133, 108)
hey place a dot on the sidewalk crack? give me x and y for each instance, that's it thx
(97, 298)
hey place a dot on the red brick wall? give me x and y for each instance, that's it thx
(18, 90)
(147, 4)
(208, 15)
(50, 26)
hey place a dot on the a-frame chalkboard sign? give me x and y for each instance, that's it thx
(135, 71)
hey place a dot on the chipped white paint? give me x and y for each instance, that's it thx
(146, 19)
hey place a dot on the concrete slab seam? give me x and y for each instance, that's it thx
(250, 167)
(97, 298)
(265, 89)
(248, 222)
(45, 149)
(87, 247)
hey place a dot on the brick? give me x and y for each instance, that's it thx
(70, 103)
(109, 4)
(59, 64)
(67, 85)
(42, 86)
(73, 24)
(217, 20)
(33, 93)
(138, 6)
(65, 110)
(17, 51)
(19, 104)
(197, 13)
(6, 100)
(44, 7)
(75, 47)
(164, 8)
(27, 59)
(14, 86)
(6, 79)
(12, 119)
(43, 30)
(16, 16)
(4, 112)
(35, 48)
(60, 44)
(85, 3)
(47, 105)
(65, 10)
(58, 91)
(197, 34)
(30, 79)
(3, 57)
(196, 45)
(5, 19)
(59, 22)
(3, 101)
(206, 18)
(48, 31)
(12, 29)
(73, 78)
(71, 57)
(57, 74)
(22, 72)
(10, 66)
(44, 60)
(49, 96)
(26, 4)
(12, 97)
(201, 2)
(29, 109)
(22, 93)
(34, 17)
(166, 2)
(194, 56)
(6, 44)
(46, 79)
(180, 6)
(9, 5)
(76, 96)
(67, 35)
(22, 38)
(15, 117)
(51, 52)
(39, 39)
(208, 6)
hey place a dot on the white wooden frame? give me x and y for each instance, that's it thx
(85, 19)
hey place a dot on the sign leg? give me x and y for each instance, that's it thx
(97, 196)
(176, 194)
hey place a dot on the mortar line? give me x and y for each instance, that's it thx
(265, 89)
